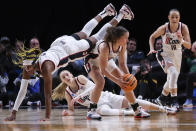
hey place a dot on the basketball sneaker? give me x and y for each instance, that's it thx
(93, 115)
(160, 101)
(110, 10)
(174, 103)
(170, 111)
(126, 11)
(38, 103)
(188, 104)
(140, 113)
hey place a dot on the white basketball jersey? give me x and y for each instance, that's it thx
(85, 100)
(93, 58)
(170, 40)
(63, 50)
(112, 54)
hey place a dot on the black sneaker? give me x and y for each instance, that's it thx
(160, 101)
(174, 103)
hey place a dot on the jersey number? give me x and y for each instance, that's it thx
(173, 47)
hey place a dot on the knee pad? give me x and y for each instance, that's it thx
(173, 74)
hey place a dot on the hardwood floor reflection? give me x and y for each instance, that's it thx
(28, 120)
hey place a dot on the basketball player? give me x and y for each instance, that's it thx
(78, 89)
(101, 63)
(174, 35)
(63, 50)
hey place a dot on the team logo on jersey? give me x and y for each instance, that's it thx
(83, 99)
(171, 41)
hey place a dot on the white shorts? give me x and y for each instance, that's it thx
(90, 62)
(174, 58)
(65, 49)
(113, 100)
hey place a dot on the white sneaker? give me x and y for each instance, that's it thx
(188, 103)
(140, 113)
(39, 103)
(110, 10)
(126, 11)
(93, 115)
(170, 111)
(11, 103)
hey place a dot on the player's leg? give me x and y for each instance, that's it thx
(106, 110)
(109, 10)
(124, 13)
(99, 81)
(164, 63)
(154, 107)
(172, 71)
(149, 106)
(139, 112)
(21, 94)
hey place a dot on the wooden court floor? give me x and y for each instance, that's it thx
(28, 120)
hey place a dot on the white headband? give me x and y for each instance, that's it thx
(27, 62)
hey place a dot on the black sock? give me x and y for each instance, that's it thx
(163, 97)
(93, 106)
(135, 106)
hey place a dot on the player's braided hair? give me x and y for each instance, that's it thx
(26, 54)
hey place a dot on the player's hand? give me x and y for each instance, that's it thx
(74, 100)
(67, 113)
(10, 118)
(151, 52)
(44, 119)
(122, 83)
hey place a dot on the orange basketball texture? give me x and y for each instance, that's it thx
(132, 82)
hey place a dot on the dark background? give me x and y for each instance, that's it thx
(49, 20)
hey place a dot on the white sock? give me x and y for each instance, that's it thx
(119, 17)
(21, 94)
(103, 14)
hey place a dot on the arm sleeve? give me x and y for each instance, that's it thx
(21, 94)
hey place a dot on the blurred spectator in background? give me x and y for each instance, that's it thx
(152, 57)
(133, 55)
(3, 83)
(6, 53)
(150, 84)
(191, 77)
(35, 43)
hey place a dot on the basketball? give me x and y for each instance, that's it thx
(132, 82)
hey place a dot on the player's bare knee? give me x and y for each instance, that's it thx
(165, 91)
